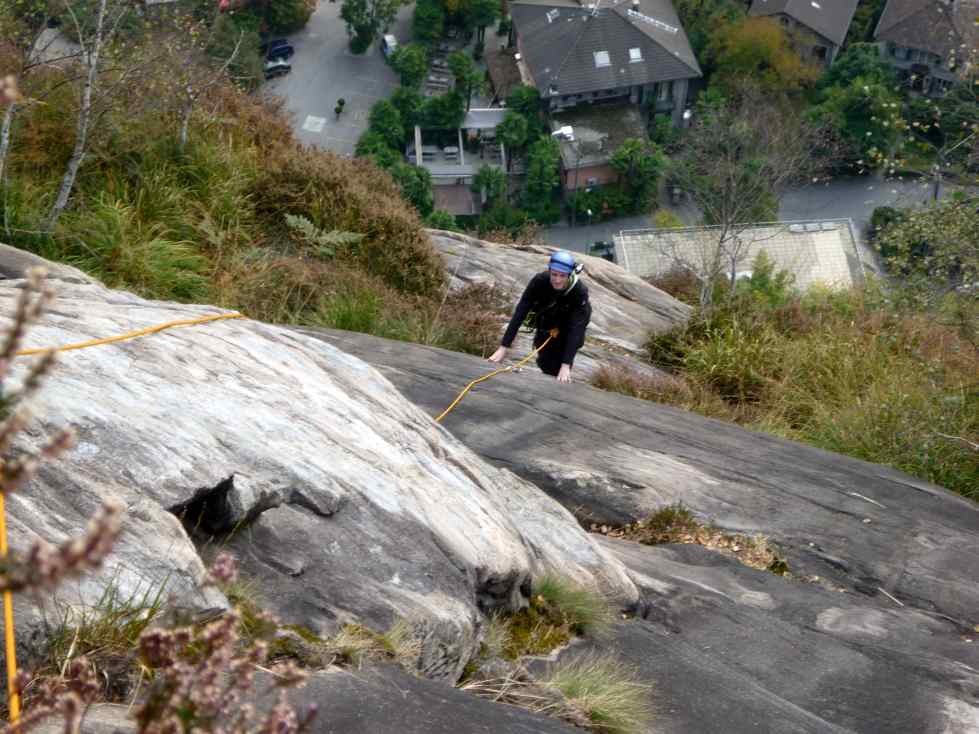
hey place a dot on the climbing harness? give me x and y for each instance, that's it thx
(510, 368)
(13, 698)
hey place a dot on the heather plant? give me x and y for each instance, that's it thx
(200, 676)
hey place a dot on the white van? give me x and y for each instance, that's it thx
(389, 44)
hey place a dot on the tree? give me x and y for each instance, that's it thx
(933, 256)
(94, 43)
(416, 186)
(934, 249)
(866, 117)
(428, 21)
(444, 112)
(385, 120)
(365, 18)
(373, 145)
(512, 132)
(703, 18)
(22, 27)
(757, 48)
(411, 62)
(542, 179)
(940, 134)
(639, 165)
(738, 159)
(467, 76)
(491, 183)
(287, 16)
(480, 14)
(861, 60)
(409, 103)
(187, 49)
(526, 101)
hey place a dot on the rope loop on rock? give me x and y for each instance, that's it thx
(551, 335)
(10, 648)
(131, 334)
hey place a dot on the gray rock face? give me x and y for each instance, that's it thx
(342, 500)
(625, 309)
(373, 700)
(876, 539)
(386, 700)
(728, 648)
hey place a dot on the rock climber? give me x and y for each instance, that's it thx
(557, 298)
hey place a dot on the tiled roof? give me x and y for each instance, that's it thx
(562, 43)
(938, 26)
(829, 18)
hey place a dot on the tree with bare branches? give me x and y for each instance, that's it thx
(737, 159)
(108, 16)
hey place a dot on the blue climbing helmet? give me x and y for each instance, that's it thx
(562, 262)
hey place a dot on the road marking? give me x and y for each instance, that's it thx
(314, 124)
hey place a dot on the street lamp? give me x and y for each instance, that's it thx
(566, 132)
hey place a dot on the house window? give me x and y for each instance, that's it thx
(784, 21)
(819, 52)
(602, 59)
(591, 181)
(665, 91)
(635, 55)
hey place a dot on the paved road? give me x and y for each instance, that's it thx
(854, 197)
(324, 70)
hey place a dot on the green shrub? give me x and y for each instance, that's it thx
(441, 219)
(287, 16)
(352, 196)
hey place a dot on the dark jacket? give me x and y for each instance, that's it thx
(569, 311)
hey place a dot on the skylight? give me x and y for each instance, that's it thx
(635, 54)
(816, 5)
(552, 15)
(602, 59)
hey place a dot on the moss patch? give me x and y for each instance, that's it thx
(677, 524)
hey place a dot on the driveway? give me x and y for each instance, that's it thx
(853, 197)
(324, 70)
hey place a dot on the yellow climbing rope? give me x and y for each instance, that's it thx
(130, 334)
(13, 697)
(551, 335)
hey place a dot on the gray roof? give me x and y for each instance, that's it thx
(931, 25)
(829, 18)
(485, 118)
(820, 252)
(559, 40)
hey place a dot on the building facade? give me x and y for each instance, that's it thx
(818, 27)
(931, 43)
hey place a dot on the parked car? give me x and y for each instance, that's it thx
(279, 48)
(277, 67)
(602, 249)
(389, 44)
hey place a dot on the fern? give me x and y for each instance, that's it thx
(326, 242)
